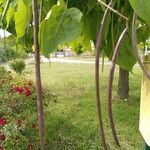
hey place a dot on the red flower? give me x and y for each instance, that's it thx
(19, 122)
(27, 91)
(30, 146)
(17, 89)
(2, 137)
(1, 148)
(2, 121)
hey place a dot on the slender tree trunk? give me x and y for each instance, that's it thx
(123, 84)
(38, 73)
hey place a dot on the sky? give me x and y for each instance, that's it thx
(2, 33)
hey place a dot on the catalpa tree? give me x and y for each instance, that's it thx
(108, 24)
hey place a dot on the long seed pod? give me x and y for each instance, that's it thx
(98, 102)
(110, 84)
(38, 73)
(134, 44)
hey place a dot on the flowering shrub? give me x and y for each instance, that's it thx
(18, 119)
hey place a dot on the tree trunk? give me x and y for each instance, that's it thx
(123, 84)
(38, 73)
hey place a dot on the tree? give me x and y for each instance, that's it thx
(80, 45)
(64, 21)
(123, 83)
(38, 74)
(23, 21)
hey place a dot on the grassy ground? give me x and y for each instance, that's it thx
(71, 120)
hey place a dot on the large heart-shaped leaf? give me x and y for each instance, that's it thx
(22, 18)
(61, 25)
(142, 8)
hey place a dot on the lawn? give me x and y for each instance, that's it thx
(71, 119)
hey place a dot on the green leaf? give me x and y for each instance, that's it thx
(61, 3)
(10, 14)
(61, 25)
(2, 1)
(86, 43)
(22, 18)
(143, 33)
(142, 8)
(126, 58)
(91, 23)
(91, 4)
(11, 28)
(5, 10)
(1, 10)
(27, 2)
(47, 5)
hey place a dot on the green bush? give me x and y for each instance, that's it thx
(7, 54)
(11, 53)
(17, 65)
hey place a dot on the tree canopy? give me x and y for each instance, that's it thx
(65, 21)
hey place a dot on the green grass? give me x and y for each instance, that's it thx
(71, 119)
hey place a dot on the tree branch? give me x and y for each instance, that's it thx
(113, 10)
